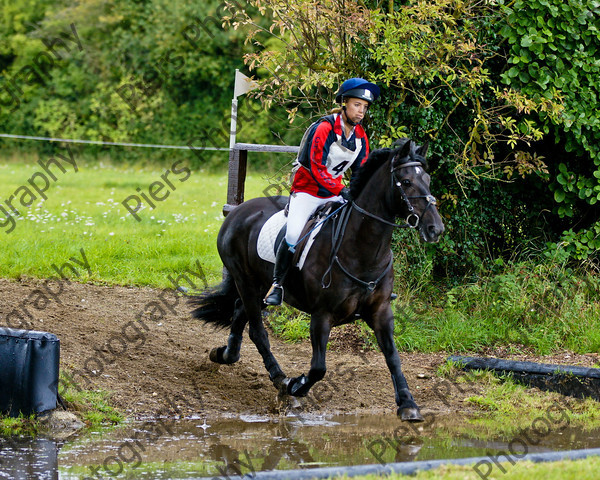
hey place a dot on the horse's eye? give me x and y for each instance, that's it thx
(406, 182)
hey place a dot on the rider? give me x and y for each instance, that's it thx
(338, 144)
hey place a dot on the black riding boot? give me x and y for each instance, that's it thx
(283, 260)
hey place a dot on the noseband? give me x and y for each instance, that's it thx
(412, 220)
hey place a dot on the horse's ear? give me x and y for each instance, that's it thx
(404, 151)
(422, 150)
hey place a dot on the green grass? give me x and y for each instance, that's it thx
(84, 211)
(21, 425)
(289, 324)
(92, 406)
(510, 408)
(507, 408)
(531, 308)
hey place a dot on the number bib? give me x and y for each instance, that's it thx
(341, 158)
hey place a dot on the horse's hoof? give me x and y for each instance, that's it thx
(287, 403)
(216, 355)
(298, 386)
(410, 415)
(281, 384)
(292, 403)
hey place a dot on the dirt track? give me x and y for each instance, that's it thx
(141, 345)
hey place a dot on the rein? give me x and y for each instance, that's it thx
(336, 241)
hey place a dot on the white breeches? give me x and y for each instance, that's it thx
(302, 206)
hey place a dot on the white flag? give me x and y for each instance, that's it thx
(243, 84)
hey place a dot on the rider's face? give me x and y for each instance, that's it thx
(356, 109)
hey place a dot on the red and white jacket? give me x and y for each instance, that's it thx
(331, 154)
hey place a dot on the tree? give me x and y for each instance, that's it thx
(448, 74)
(143, 71)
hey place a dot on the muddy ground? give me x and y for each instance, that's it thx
(141, 345)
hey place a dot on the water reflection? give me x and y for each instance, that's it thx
(197, 447)
(26, 459)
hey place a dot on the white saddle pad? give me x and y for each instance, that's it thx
(267, 238)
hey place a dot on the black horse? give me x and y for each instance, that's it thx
(347, 274)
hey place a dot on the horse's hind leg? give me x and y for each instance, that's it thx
(230, 353)
(259, 336)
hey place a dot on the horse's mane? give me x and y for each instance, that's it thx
(376, 159)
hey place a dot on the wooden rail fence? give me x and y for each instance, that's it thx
(238, 162)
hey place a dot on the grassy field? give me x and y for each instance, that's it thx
(81, 218)
(84, 210)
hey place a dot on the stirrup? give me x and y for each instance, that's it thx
(274, 295)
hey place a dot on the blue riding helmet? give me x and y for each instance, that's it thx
(357, 88)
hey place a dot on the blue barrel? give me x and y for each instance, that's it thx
(29, 363)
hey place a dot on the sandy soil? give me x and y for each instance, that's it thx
(141, 345)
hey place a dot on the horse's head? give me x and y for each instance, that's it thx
(410, 190)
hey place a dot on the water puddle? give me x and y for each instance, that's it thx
(220, 447)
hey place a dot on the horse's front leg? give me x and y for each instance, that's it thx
(320, 327)
(383, 325)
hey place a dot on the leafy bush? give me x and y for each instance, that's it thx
(158, 72)
(554, 55)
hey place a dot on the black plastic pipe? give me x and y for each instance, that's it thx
(499, 364)
(484, 466)
(569, 380)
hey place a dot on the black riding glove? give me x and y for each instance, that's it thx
(345, 194)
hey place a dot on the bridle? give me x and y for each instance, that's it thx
(412, 220)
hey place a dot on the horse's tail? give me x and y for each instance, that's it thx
(216, 305)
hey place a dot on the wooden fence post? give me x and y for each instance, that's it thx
(238, 161)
